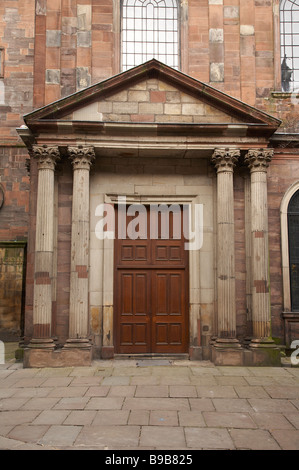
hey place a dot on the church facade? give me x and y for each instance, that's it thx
(155, 205)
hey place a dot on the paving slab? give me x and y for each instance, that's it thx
(139, 417)
(13, 444)
(191, 418)
(8, 392)
(218, 391)
(108, 437)
(72, 403)
(255, 391)
(234, 371)
(39, 392)
(152, 391)
(154, 404)
(287, 391)
(68, 392)
(122, 391)
(50, 417)
(57, 382)
(118, 405)
(166, 437)
(208, 438)
(199, 371)
(293, 418)
(98, 391)
(28, 432)
(111, 418)
(79, 417)
(253, 439)
(60, 436)
(182, 391)
(40, 403)
(12, 403)
(274, 405)
(116, 380)
(106, 403)
(18, 417)
(201, 404)
(231, 404)
(146, 380)
(272, 421)
(228, 420)
(164, 418)
(287, 439)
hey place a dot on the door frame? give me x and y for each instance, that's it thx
(108, 313)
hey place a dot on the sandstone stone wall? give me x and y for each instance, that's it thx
(12, 267)
(17, 29)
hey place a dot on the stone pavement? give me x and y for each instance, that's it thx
(131, 405)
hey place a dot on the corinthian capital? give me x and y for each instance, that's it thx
(225, 159)
(46, 156)
(81, 157)
(258, 159)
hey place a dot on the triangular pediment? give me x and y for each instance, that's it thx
(153, 93)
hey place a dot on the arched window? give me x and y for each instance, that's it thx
(289, 40)
(150, 30)
(293, 236)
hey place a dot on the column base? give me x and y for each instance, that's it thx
(42, 343)
(78, 343)
(261, 343)
(227, 343)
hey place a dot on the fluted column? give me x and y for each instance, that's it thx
(44, 247)
(258, 161)
(81, 158)
(224, 161)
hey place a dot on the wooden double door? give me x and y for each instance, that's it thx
(151, 294)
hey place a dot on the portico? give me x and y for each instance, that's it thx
(154, 136)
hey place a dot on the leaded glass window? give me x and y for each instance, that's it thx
(289, 39)
(293, 231)
(150, 30)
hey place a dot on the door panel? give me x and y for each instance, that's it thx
(151, 296)
(169, 311)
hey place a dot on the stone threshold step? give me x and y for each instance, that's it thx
(152, 359)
